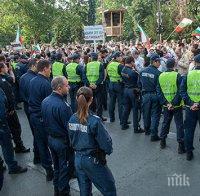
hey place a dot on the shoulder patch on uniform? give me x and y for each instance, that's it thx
(148, 75)
(78, 127)
(95, 116)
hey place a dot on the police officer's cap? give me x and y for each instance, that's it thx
(93, 55)
(170, 63)
(197, 58)
(74, 56)
(155, 57)
(58, 56)
(116, 54)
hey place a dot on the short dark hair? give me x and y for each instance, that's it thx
(2, 65)
(32, 62)
(2, 58)
(43, 64)
(129, 59)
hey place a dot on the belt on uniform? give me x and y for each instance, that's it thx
(149, 92)
(56, 136)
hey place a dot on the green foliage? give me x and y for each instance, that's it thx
(92, 12)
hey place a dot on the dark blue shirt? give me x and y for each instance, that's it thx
(21, 68)
(3, 111)
(149, 79)
(40, 88)
(130, 77)
(183, 90)
(177, 99)
(24, 85)
(56, 113)
(86, 138)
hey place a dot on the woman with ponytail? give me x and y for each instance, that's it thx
(91, 143)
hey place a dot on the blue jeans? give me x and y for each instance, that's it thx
(116, 93)
(63, 160)
(7, 148)
(130, 102)
(191, 119)
(178, 118)
(151, 112)
(89, 171)
(41, 138)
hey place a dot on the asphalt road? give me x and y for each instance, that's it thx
(139, 166)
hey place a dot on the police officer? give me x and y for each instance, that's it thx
(190, 92)
(150, 103)
(56, 113)
(24, 86)
(75, 75)
(12, 118)
(58, 66)
(114, 70)
(91, 143)
(130, 78)
(94, 71)
(40, 88)
(169, 96)
(20, 68)
(5, 139)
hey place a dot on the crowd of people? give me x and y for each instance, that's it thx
(65, 90)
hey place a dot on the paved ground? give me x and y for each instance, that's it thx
(139, 166)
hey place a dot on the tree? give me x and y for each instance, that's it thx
(92, 12)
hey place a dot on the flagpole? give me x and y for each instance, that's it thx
(171, 34)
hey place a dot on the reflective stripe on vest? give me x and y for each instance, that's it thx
(57, 68)
(168, 84)
(92, 71)
(193, 85)
(71, 73)
(112, 70)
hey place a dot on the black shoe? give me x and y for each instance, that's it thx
(21, 149)
(162, 143)
(49, 175)
(18, 107)
(140, 130)
(147, 132)
(181, 148)
(103, 118)
(18, 170)
(124, 127)
(128, 122)
(189, 155)
(112, 120)
(36, 160)
(64, 193)
(56, 192)
(155, 138)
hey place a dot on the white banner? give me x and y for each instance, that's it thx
(94, 32)
(16, 45)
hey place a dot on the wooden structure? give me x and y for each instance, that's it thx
(113, 22)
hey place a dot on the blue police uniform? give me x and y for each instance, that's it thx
(130, 79)
(87, 139)
(40, 88)
(191, 117)
(56, 113)
(5, 137)
(24, 86)
(177, 112)
(150, 103)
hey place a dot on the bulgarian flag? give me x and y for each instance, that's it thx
(19, 38)
(196, 32)
(184, 23)
(144, 37)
